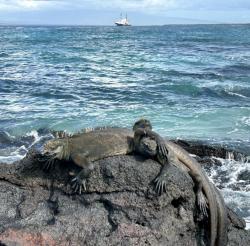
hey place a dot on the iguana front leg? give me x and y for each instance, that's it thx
(148, 147)
(161, 180)
(145, 132)
(79, 181)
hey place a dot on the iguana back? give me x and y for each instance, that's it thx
(86, 147)
(101, 143)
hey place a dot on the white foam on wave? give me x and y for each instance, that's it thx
(10, 155)
(245, 120)
(236, 190)
(236, 94)
(11, 159)
(240, 202)
(231, 170)
(36, 137)
(13, 153)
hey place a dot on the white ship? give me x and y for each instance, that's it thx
(122, 21)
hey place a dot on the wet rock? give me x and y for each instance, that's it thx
(236, 220)
(120, 206)
(238, 237)
(244, 175)
(203, 150)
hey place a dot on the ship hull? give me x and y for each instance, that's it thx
(119, 24)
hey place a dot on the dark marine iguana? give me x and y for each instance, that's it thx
(84, 148)
(179, 157)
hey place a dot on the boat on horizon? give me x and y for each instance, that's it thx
(123, 21)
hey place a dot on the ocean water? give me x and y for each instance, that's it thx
(192, 82)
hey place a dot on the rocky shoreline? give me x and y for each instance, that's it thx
(119, 208)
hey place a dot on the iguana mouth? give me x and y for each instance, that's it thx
(48, 159)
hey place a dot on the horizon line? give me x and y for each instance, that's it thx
(93, 25)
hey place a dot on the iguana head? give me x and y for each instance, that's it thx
(56, 148)
(147, 146)
(142, 123)
(52, 146)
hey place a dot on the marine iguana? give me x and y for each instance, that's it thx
(85, 148)
(179, 157)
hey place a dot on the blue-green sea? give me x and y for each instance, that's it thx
(191, 81)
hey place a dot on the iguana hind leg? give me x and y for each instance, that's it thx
(202, 203)
(201, 199)
(79, 181)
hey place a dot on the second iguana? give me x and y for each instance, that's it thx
(207, 194)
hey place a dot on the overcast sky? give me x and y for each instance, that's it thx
(140, 12)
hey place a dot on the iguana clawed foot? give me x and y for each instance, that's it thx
(202, 203)
(78, 184)
(48, 160)
(160, 184)
(49, 164)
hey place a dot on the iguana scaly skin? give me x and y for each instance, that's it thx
(179, 157)
(85, 148)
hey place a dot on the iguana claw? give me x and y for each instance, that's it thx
(49, 164)
(202, 203)
(78, 185)
(160, 185)
(48, 160)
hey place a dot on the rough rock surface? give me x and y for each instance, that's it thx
(119, 208)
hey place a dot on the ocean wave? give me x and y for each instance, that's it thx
(55, 95)
(3, 55)
(245, 121)
(186, 74)
(14, 148)
(232, 174)
(232, 177)
(241, 69)
(5, 137)
(213, 91)
(240, 91)
(11, 158)
(227, 92)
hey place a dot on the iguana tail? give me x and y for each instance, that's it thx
(193, 165)
(222, 221)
